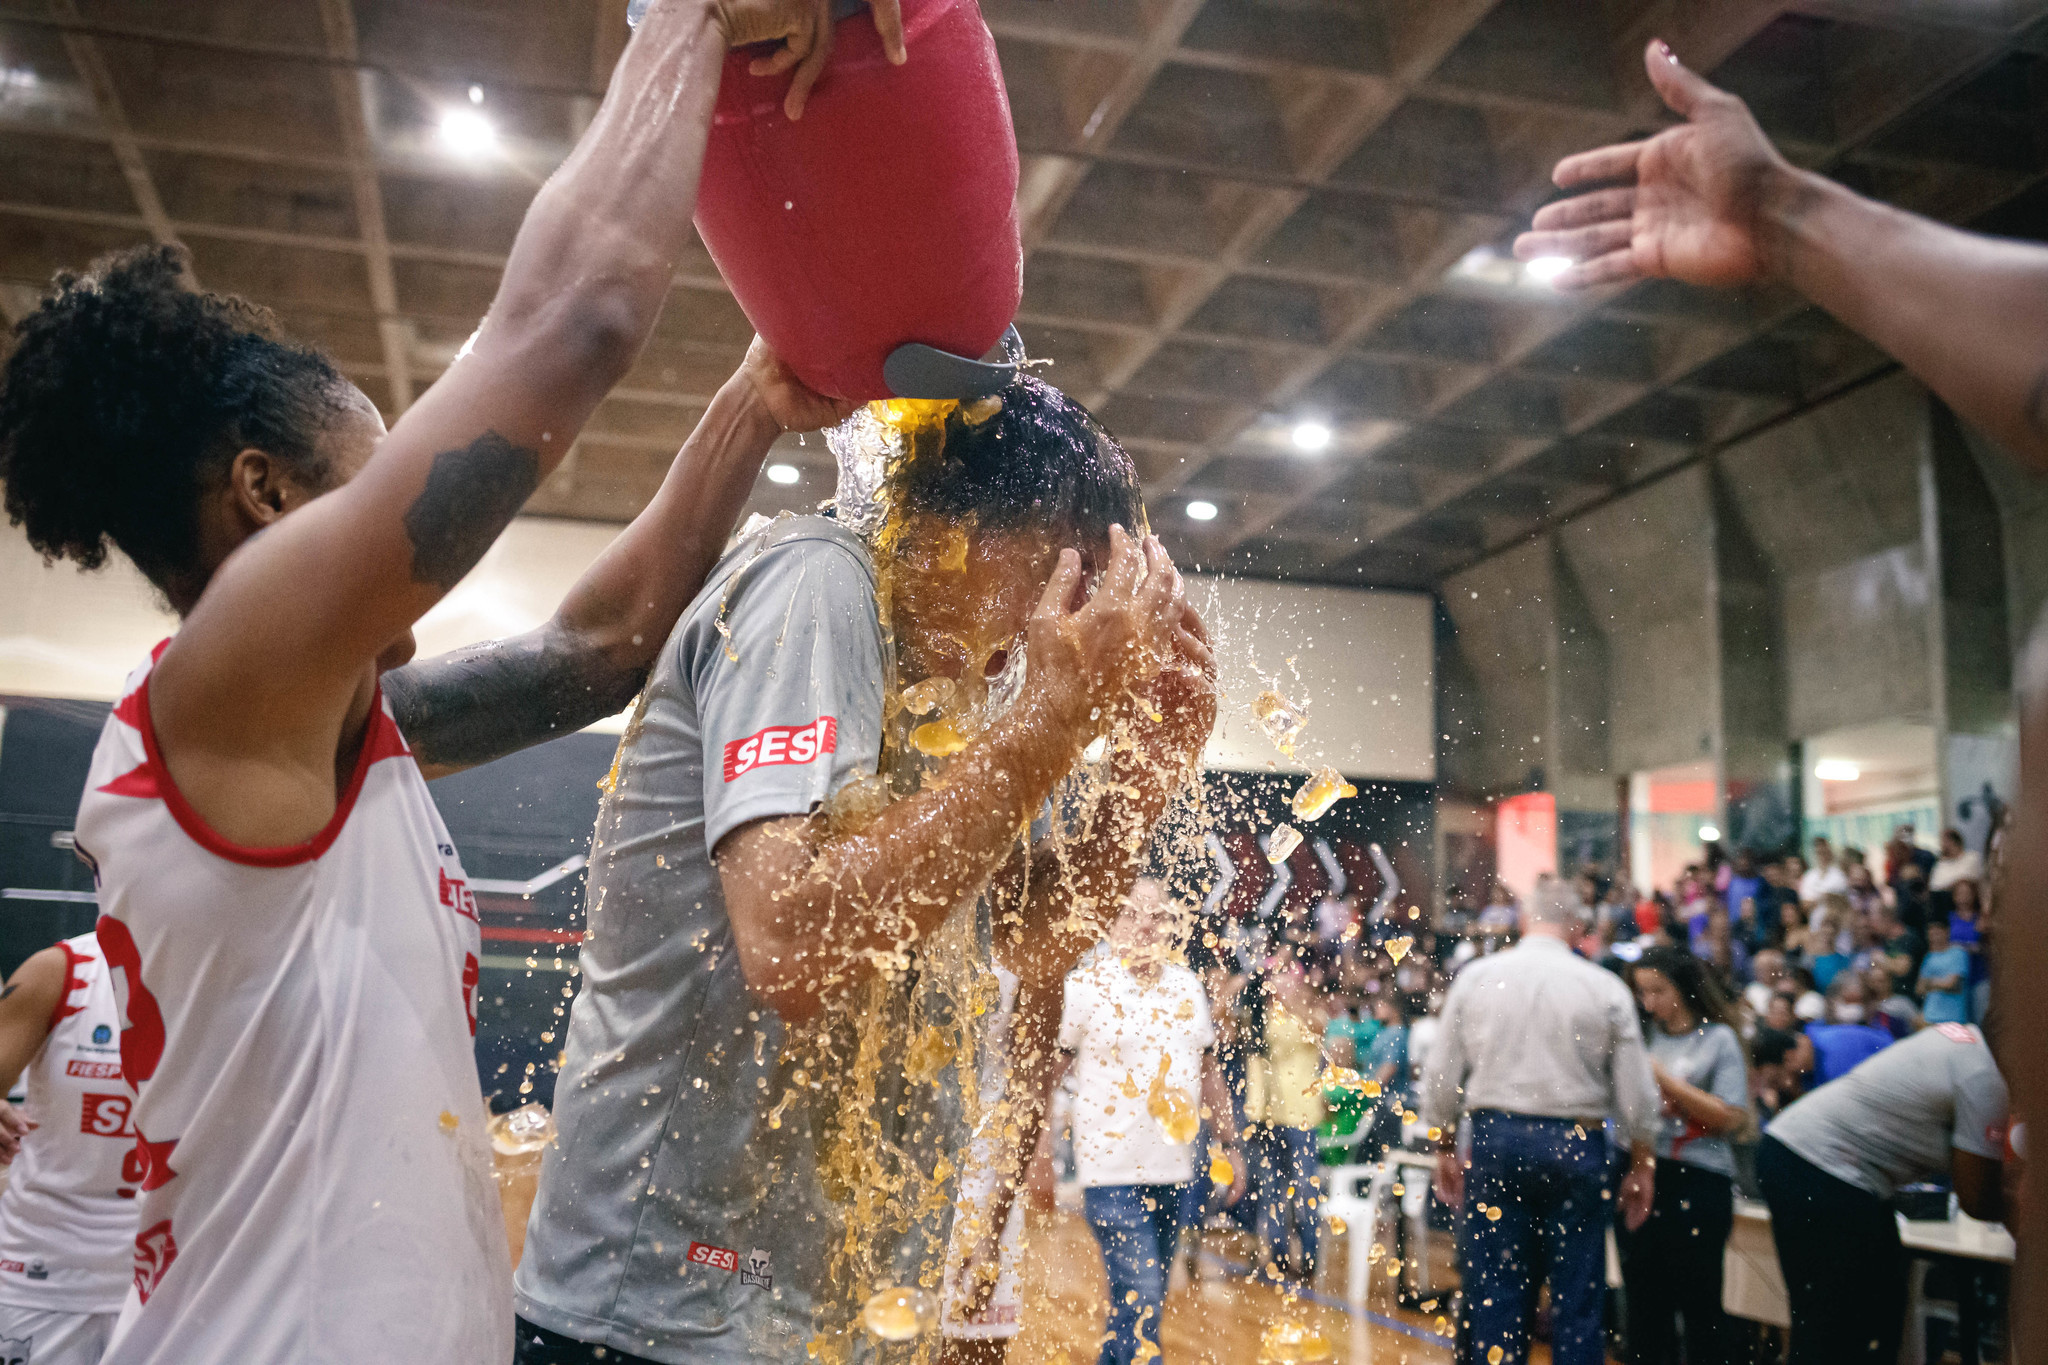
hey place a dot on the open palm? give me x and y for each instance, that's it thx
(1689, 203)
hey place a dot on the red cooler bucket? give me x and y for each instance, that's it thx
(886, 215)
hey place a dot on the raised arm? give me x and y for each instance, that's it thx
(255, 694)
(1711, 202)
(590, 659)
(810, 910)
(1056, 903)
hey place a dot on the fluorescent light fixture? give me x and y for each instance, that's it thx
(784, 473)
(1311, 436)
(468, 133)
(1546, 269)
(1710, 834)
(1199, 510)
(1836, 770)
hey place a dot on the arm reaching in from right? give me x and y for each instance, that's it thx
(1711, 202)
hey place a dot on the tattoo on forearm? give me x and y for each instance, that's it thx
(471, 494)
(497, 698)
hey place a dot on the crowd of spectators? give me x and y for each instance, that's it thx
(1800, 967)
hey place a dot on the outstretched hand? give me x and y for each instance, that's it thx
(804, 28)
(1690, 202)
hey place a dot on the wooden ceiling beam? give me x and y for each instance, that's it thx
(351, 96)
(92, 67)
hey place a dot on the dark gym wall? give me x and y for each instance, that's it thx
(512, 820)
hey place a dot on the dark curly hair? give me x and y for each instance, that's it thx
(1695, 984)
(1042, 460)
(128, 393)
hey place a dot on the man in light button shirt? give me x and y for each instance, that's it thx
(1538, 1047)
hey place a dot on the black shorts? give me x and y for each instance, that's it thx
(538, 1346)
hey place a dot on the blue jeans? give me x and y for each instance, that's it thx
(1138, 1227)
(1548, 1180)
(1290, 1196)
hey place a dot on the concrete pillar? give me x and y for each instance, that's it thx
(1970, 655)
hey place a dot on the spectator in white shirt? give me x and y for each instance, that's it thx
(1137, 1037)
(1825, 876)
(1958, 863)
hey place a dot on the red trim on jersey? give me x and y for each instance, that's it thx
(139, 781)
(129, 711)
(383, 741)
(73, 960)
(495, 934)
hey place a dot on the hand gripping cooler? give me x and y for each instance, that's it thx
(873, 242)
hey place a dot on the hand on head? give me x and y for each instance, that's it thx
(1087, 655)
(804, 30)
(1686, 204)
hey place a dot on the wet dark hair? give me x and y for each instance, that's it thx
(128, 394)
(1696, 986)
(1042, 461)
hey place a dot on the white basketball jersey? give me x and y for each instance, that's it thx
(67, 1217)
(316, 1184)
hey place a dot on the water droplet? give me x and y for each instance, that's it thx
(526, 1129)
(1324, 789)
(1280, 718)
(1293, 1343)
(897, 1314)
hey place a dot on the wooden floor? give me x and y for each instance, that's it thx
(1216, 1319)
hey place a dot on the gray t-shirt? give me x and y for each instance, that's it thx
(1709, 1058)
(1892, 1120)
(681, 1214)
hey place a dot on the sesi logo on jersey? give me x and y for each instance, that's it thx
(718, 1258)
(106, 1116)
(781, 744)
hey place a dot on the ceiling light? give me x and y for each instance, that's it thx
(784, 473)
(1709, 834)
(468, 133)
(1487, 266)
(1546, 269)
(1199, 510)
(476, 94)
(1311, 436)
(1836, 770)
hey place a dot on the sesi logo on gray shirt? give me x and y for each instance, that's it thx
(681, 1215)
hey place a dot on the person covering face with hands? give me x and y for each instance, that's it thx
(748, 880)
